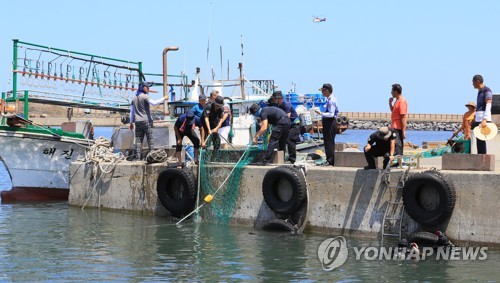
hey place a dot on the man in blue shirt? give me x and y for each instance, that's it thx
(294, 131)
(483, 109)
(198, 108)
(184, 127)
(329, 123)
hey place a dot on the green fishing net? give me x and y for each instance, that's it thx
(214, 168)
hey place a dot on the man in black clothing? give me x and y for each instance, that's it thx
(279, 134)
(212, 121)
(380, 143)
(184, 127)
(294, 131)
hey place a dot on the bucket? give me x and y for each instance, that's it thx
(190, 151)
(307, 137)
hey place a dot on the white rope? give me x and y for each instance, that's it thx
(101, 152)
(216, 191)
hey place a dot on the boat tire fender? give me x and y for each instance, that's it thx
(284, 189)
(177, 191)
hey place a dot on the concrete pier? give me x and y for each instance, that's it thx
(341, 200)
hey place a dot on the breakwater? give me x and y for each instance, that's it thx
(412, 125)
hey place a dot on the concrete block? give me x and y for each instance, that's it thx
(469, 162)
(278, 157)
(354, 159)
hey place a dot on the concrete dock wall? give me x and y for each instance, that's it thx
(341, 200)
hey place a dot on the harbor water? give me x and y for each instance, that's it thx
(56, 242)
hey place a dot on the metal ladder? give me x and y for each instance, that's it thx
(395, 210)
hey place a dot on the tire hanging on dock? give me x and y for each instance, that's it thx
(284, 189)
(177, 191)
(424, 238)
(428, 198)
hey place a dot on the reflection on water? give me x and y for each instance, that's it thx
(47, 242)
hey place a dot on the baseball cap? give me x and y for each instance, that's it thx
(202, 97)
(385, 133)
(148, 84)
(254, 108)
(219, 101)
(277, 94)
(327, 87)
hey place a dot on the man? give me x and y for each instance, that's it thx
(294, 131)
(329, 123)
(399, 116)
(141, 116)
(184, 127)
(212, 120)
(213, 94)
(279, 134)
(225, 126)
(483, 109)
(380, 143)
(198, 108)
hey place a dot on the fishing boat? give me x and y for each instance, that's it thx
(37, 157)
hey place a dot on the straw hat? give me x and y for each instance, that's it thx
(487, 133)
(471, 103)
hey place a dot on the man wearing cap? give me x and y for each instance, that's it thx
(198, 108)
(140, 115)
(279, 134)
(467, 121)
(483, 109)
(184, 127)
(380, 143)
(329, 123)
(294, 131)
(212, 120)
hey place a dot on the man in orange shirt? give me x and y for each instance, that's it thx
(399, 116)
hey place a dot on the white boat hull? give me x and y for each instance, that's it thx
(36, 160)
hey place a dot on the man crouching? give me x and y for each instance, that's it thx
(380, 143)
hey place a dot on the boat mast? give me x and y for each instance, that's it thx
(242, 76)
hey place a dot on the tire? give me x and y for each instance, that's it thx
(177, 191)
(428, 198)
(338, 120)
(280, 225)
(345, 120)
(284, 189)
(424, 238)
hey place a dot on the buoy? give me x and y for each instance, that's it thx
(209, 198)
(318, 151)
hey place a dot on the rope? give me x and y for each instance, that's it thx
(157, 156)
(216, 191)
(101, 152)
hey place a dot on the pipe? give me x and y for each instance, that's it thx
(165, 85)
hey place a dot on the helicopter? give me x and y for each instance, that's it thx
(318, 19)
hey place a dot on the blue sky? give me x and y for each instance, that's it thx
(432, 48)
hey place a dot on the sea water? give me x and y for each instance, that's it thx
(56, 242)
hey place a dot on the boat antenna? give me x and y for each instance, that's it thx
(221, 71)
(209, 27)
(242, 76)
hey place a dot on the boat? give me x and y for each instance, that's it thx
(38, 157)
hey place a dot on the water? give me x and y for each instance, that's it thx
(54, 242)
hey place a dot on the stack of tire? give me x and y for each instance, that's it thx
(177, 191)
(428, 198)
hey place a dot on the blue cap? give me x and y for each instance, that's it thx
(190, 114)
(148, 84)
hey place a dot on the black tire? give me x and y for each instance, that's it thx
(177, 191)
(345, 120)
(280, 225)
(338, 120)
(424, 238)
(284, 189)
(428, 198)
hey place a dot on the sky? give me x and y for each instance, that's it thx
(432, 48)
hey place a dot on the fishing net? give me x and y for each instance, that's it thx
(220, 176)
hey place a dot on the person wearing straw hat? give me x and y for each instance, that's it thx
(483, 110)
(467, 121)
(225, 127)
(380, 143)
